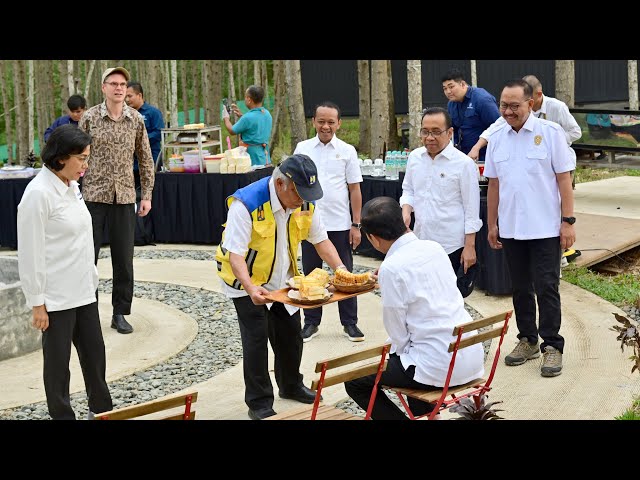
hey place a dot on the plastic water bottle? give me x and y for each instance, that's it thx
(389, 164)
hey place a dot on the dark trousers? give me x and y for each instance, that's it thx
(121, 219)
(394, 376)
(348, 309)
(80, 325)
(534, 266)
(454, 258)
(257, 324)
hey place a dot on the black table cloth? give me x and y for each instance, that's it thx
(186, 207)
(190, 207)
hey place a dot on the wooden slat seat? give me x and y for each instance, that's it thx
(184, 401)
(476, 388)
(318, 411)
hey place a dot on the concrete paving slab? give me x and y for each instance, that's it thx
(154, 324)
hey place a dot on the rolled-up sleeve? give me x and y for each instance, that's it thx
(470, 190)
(33, 212)
(317, 231)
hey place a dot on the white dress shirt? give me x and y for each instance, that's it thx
(526, 164)
(421, 306)
(444, 194)
(337, 165)
(238, 234)
(55, 245)
(554, 110)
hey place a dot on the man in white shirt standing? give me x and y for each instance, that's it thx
(530, 214)
(547, 108)
(339, 172)
(421, 306)
(258, 254)
(441, 188)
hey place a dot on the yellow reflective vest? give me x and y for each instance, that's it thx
(261, 256)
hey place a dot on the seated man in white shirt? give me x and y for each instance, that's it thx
(266, 222)
(441, 188)
(421, 305)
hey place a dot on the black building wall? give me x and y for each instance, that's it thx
(597, 81)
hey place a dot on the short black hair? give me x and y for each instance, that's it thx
(64, 141)
(136, 87)
(326, 104)
(519, 82)
(437, 110)
(382, 216)
(454, 74)
(75, 102)
(256, 93)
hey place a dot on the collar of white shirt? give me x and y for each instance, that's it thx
(275, 201)
(332, 142)
(58, 184)
(448, 152)
(400, 242)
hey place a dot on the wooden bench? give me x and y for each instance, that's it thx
(377, 363)
(475, 388)
(185, 401)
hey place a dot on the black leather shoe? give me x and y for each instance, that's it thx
(302, 395)
(119, 323)
(261, 414)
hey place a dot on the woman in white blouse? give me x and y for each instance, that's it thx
(58, 275)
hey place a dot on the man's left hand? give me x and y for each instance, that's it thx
(145, 207)
(567, 235)
(355, 237)
(468, 257)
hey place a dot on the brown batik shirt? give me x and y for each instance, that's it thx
(110, 172)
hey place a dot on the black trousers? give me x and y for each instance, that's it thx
(80, 325)
(534, 266)
(121, 219)
(454, 258)
(348, 309)
(257, 325)
(394, 376)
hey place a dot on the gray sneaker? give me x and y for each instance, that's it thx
(308, 332)
(551, 362)
(524, 351)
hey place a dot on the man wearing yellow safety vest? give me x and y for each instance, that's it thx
(266, 222)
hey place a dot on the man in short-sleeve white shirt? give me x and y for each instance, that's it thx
(339, 173)
(530, 214)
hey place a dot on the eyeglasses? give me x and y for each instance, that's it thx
(434, 133)
(512, 106)
(84, 158)
(116, 84)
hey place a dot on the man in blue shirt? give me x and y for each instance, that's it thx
(254, 127)
(472, 110)
(153, 121)
(76, 105)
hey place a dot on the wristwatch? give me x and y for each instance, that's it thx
(357, 225)
(569, 220)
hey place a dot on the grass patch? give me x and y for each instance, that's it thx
(619, 289)
(588, 174)
(632, 413)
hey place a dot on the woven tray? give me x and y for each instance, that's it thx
(347, 288)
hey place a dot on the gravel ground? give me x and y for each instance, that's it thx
(215, 348)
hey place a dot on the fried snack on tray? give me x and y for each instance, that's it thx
(312, 288)
(347, 278)
(320, 274)
(297, 280)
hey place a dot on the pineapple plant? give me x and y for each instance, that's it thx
(476, 408)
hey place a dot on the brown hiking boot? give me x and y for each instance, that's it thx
(524, 351)
(551, 362)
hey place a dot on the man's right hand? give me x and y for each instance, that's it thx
(257, 294)
(474, 153)
(492, 238)
(406, 216)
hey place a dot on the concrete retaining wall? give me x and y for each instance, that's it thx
(17, 336)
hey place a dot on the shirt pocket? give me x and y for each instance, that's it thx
(501, 164)
(303, 222)
(263, 229)
(536, 160)
(446, 188)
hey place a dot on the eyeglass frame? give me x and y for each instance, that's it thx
(510, 105)
(431, 133)
(116, 84)
(84, 158)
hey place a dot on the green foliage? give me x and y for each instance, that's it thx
(587, 174)
(476, 408)
(619, 289)
(632, 413)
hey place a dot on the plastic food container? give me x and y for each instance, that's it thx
(192, 161)
(176, 164)
(212, 163)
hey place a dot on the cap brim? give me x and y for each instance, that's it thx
(310, 194)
